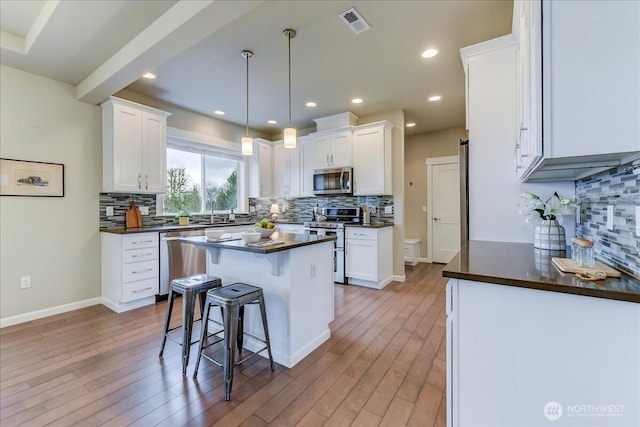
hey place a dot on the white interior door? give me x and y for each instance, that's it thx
(444, 212)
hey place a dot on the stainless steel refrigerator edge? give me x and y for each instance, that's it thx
(463, 158)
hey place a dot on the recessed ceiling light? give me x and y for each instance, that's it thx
(429, 53)
(219, 113)
(356, 100)
(272, 122)
(435, 98)
(410, 125)
(311, 104)
(149, 76)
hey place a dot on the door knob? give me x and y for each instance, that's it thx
(436, 218)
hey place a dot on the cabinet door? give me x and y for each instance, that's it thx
(591, 85)
(154, 153)
(322, 151)
(294, 172)
(127, 149)
(281, 175)
(308, 161)
(361, 259)
(340, 151)
(260, 170)
(372, 161)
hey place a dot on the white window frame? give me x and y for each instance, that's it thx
(179, 137)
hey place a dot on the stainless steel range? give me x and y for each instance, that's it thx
(331, 222)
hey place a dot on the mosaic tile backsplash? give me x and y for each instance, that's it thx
(618, 187)
(295, 209)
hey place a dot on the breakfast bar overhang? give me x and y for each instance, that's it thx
(295, 272)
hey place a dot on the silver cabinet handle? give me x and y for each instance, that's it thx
(139, 181)
(136, 256)
(142, 290)
(146, 181)
(138, 242)
(143, 271)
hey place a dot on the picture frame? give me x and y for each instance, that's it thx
(31, 179)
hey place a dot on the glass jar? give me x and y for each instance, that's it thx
(582, 252)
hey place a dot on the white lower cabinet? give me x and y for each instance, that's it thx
(130, 270)
(369, 260)
(524, 357)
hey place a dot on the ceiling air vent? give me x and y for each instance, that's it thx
(354, 21)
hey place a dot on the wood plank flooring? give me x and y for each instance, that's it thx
(384, 365)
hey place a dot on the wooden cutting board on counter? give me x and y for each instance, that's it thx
(133, 217)
(567, 265)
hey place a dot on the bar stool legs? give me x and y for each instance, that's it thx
(232, 299)
(190, 288)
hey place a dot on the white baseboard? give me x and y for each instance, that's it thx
(398, 278)
(39, 314)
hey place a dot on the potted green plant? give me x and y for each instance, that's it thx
(183, 217)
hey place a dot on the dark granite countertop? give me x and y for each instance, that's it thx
(521, 265)
(170, 227)
(372, 225)
(289, 241)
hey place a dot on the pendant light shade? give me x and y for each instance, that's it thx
(290, 140)
(247, 142)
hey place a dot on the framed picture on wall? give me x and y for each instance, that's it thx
(26, 178)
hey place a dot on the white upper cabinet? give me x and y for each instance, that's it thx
(134, 147)
(261, 169)
(286, 170)
(526, 28)
(590, 97)
(333, 148)
(372, 159)
(321, 150)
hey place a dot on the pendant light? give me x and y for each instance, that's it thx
(290, 132)
(247, 142)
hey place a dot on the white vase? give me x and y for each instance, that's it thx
(550, 235)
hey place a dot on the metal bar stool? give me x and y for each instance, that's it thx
(231, 299)
(189, 288)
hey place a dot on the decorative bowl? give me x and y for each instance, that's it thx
(213, 233)
(250, 237)
(265, 232)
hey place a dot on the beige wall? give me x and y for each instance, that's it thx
(417, 149)
(53, 240)
(396, 117)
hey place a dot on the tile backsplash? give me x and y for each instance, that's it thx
(619, 188)
(295, 209)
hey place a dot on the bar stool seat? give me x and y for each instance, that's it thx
(232, 299)
(189, 287)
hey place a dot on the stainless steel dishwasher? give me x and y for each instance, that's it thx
(179, 259)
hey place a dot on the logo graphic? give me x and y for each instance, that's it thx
(552, 411)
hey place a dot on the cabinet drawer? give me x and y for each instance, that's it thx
(139, 271)
(361, 233)
(140, 289)
(142, 254)
(143, 240)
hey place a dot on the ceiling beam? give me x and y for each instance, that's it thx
(181, 27)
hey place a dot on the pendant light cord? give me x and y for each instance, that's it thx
(247, 57)
(289, 39)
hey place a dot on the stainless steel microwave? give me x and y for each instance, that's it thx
(333, 181)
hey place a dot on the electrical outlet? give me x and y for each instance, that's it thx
(109, 210)
(424, 209)
(252, 209)
(578, 221)
(610, 217)
(313, 270)
(144, 210)
(388, 209)
(25, 282)
(638, 221)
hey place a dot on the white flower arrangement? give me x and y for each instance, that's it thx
(553, 208)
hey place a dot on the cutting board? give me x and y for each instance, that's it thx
(133, 217)
(567, 265)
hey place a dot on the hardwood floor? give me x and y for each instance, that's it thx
(384, 365)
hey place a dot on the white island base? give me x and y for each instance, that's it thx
(298, 291)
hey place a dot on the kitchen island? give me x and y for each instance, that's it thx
(295, 272)
(527, 344)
